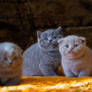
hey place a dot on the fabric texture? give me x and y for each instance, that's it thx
(51, 84)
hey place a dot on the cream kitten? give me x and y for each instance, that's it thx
(10, 63)
(76, 56)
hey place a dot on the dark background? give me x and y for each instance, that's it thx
(20, 19)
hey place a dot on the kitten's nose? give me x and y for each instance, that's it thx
(50, 40)
(71, 50)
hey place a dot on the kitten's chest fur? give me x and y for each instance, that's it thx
(35, 56)
(36, 60)
(52, 58)
(52, 55)
(73, 65)
(76, 66)
(82, 63)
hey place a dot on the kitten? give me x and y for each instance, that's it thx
(76, 56)
(10, 63)
(43, 57)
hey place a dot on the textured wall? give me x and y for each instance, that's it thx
(20, 19)
(81, 31)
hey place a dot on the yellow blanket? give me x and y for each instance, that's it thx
(51, 84)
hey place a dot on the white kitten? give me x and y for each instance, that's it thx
(76, 56)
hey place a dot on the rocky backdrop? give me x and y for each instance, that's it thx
(20, 19)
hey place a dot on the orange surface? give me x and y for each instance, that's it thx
(51, 84)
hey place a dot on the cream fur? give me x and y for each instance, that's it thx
(76, 56)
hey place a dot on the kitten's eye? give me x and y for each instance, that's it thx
(54, 37)
(67, 46)
(75, 45)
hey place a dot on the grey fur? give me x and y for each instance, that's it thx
(43, 57)
(10, 63)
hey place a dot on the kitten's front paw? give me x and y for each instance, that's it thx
(70, 75)
(51, 75)
(54, 75)
(84, 73)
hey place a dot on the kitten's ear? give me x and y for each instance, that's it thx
(83, 39)
(38, 34)
(59, 29)
(60, 40)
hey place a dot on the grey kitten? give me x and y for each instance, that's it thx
(10, 63)
(43, 57)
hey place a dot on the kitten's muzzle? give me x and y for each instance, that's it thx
(71, 52)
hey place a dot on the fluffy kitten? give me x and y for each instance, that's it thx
(43, 57)
(76, 56)
(10, 63)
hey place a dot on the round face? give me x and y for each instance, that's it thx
(9, 61)
(72, 47)
(10, 55)
(48, 40)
